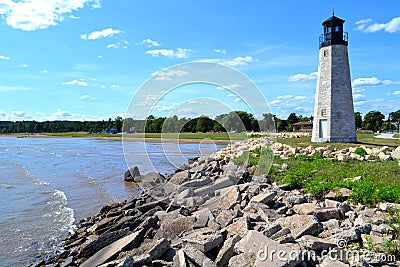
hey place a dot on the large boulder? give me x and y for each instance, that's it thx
(130, 175)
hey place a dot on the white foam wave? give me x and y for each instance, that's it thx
(6, 186)
(65, 213)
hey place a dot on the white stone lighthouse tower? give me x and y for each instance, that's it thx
(333, 111)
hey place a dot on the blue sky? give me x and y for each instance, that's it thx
(85, 59)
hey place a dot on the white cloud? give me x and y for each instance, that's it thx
(4, 57)
(99, 56)
(168, 75)
(30, 15)
(220, 51)
(237, 99)
(274, 102)
(373, 81)
(230, 87)
(61, 115)
(114, 86)
(76, 82)
(23, 65)
(13, 88)
(166, 108)
(178, 53)
(239, 61)
(123, 44)
(149, 43)
(74, 17)
(366, 26)
(100, 34)
(303, 77)
(396, 93)
(96, 4)
(193, 102)
(359, 97)
(230, 95)
(84, 96)
(44, 71)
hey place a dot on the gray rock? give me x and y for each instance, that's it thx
(128, 242)
(159, 248)
(396, 153)
(301, 225)
(203, 239)
(225, 217)
(194, 183)
(263, 197)
(258, 247)
(325, 214)
(130, 175)
(305, 208)
(327, 262)
(201, 221)
(230, 198)
(296, 199)
(315, 243)
(270, 230)
(227, 251)
(198, 257)
(242, 260)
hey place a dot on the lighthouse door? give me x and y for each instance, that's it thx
(323, 129)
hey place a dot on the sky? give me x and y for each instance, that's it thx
(86, 59)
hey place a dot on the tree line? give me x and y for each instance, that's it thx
(236, 121)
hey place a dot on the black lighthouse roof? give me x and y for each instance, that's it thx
(333, 32)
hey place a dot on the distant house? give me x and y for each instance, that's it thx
(303, 126)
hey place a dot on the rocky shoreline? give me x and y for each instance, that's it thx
(215, 213)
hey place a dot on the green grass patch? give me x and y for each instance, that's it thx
(380, 179)
(363, 139)
(396, 136)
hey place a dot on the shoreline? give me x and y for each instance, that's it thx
(129, 139)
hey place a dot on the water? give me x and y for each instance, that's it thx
(48, 184)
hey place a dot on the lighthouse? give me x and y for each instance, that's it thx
(333, 110)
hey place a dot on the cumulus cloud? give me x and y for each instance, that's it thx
(239, 61)
(178, 53)
(29, 15)
(237, 99)
(44, 71)
(84, 96)
(149, 43)
(100, 34)
(396, 93)
(367, 26)
(303, 77)
(4, 57)
(359, 97)
(161, 108)
(168, 75)
(121, 44)
(220, 51)
(114, 86)
(76, 82)
(373, 81)
(230, 95)
(23, 65)
(18, 113)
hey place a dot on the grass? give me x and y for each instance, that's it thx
(363, 139)
(396, 136)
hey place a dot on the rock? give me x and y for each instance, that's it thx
(225, 217)
(103, 241)
(194, 183)
(259, 248)
(230, 198)
(198, 257)
(263, 197)
(327, 262)
(325, 214)
(384, 157)
(396, 153)
(159, 248)
(129, 176)
(305, 208)
(270, 230)
(173, 227)
(242, 260)
(180, 259)
(301, 225)
(238, 227)
(128, 242)
(351, 235)
(227, 251)
(201, 221)
(315, 243)
(329, 203)
(220, 183)
(203, 239)
(179, 178)
(296, 199)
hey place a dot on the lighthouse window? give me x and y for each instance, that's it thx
(337, 28)
(323, 112)
(328, 30)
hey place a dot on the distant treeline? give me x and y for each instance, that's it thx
(237, 121)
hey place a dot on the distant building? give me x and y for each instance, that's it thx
(333, 111)
(303, 126)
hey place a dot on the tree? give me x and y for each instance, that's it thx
(204, 124)
(292, 119)
(373, 120)
(395, 117)
(358, 120)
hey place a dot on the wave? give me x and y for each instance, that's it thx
(103, 192)
(66, 213)
(6, 186)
